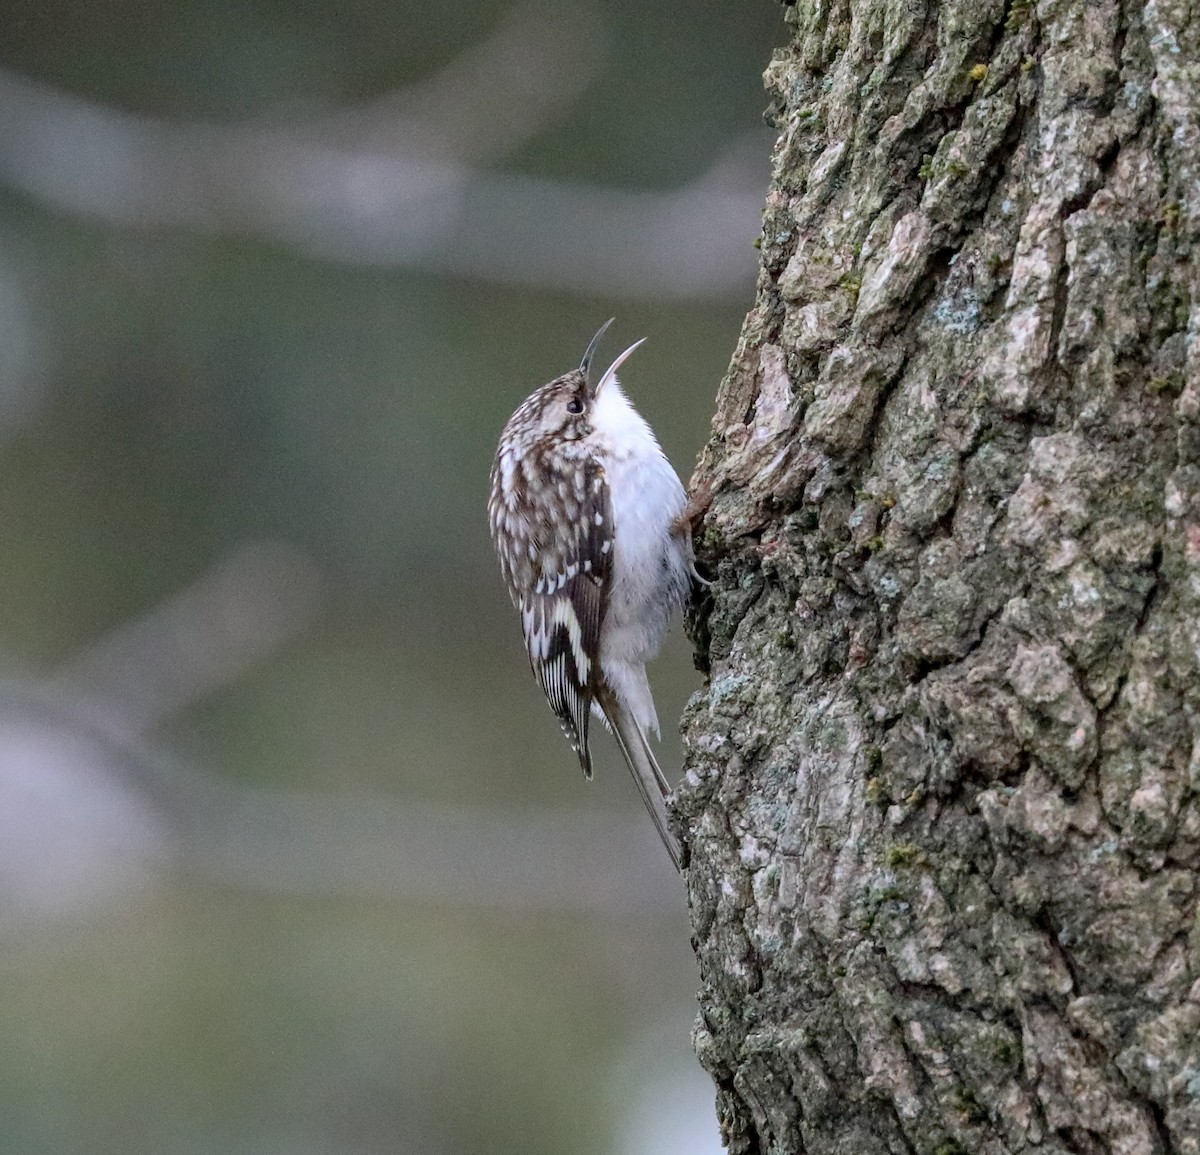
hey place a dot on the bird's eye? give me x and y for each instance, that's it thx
(574, 405)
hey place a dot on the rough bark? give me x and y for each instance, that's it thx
(943, 785)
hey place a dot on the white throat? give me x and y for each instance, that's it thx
(618, 425)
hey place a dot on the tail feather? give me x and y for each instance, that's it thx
(651, 782)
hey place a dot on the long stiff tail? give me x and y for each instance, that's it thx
(651, 783)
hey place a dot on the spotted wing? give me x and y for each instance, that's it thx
(563, 612)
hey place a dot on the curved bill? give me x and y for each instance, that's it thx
(610, 374)
(586, 364)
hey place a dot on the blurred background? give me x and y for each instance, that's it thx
(293, 857)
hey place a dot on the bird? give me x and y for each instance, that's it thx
(587, 516)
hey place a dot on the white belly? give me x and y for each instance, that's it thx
(651, 571)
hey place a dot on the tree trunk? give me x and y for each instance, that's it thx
(943, 786)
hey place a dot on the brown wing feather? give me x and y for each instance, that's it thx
(563, 613)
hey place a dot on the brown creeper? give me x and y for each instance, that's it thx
(586, 516)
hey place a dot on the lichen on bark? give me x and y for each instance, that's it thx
(942, 788)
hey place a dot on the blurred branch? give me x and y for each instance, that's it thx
(537, 858)
(200, 639)
(394, 181)
(86, 810)
(88, 805)
(490, 100)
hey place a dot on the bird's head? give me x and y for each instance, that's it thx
(564, 408)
